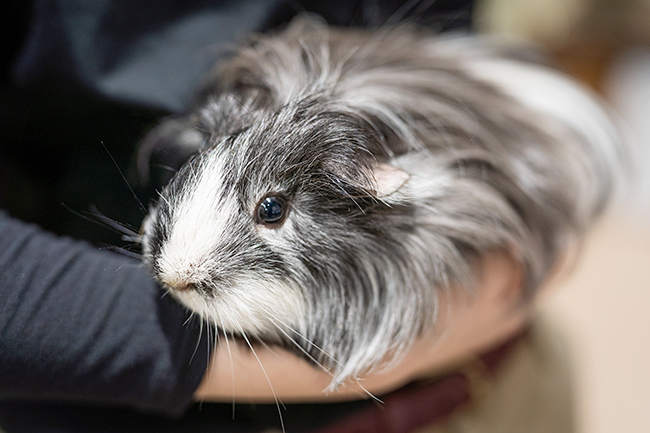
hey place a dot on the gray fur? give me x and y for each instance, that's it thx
(311, 113)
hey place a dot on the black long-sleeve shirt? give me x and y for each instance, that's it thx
(78, 324)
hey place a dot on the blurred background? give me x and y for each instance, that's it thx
(55, 169)
(604, 305)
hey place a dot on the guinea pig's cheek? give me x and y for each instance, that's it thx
(266, 307)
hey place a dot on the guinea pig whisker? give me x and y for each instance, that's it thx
(315, 361)
(124, 252)
(275, 318)
(232, 369)
(96, 217)
(275, 396)
(119, 170)
(302, 349)
(198, 340)
(212, 341)
(190, 317)
(368, 393)
(130, 234)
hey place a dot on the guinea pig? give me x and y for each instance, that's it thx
(341, 179)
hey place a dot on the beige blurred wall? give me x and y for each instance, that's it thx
(604, 307)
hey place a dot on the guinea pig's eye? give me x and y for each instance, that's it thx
(272, 210)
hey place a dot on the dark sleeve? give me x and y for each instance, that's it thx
(82, 325)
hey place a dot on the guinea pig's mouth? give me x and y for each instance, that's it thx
(244, 306)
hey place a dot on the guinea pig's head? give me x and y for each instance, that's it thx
(287, 230)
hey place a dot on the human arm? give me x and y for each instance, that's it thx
(82, 325)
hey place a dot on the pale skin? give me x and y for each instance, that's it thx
(468, 324)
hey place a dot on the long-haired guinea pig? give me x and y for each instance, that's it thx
(341, 179)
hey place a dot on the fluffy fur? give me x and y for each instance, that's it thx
(402, 157)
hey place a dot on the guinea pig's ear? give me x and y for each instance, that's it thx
(165, 149)
(388, 179)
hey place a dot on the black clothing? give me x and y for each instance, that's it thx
(82, 325)
(88, 78)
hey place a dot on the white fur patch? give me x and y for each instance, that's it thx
(200, 222)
